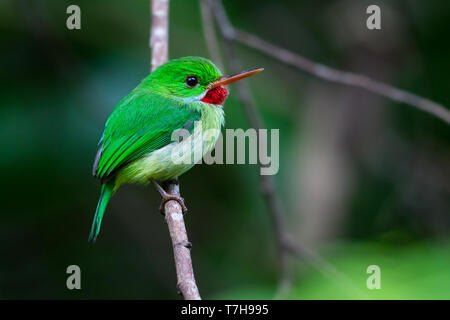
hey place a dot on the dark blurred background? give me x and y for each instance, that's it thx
(363, 180)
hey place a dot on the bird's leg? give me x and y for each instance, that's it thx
(166, 197)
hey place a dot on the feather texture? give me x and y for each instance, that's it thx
(137, 145)
(140, 124)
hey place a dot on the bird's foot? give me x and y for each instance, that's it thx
(167, 197)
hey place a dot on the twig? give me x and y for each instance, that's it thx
(173, 213)
(209, 33)
(181, 245)
(337, 76)
(284, 244)
(266, 182)
(159, 33)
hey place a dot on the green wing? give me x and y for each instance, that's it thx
(141, 123)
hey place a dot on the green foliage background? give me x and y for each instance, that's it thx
(58, 87)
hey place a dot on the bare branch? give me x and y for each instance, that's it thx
(159, 33)
(330, 74)
(284, 244)
(173, 212)
(322, 265)
(181, 246)
(266, 182)
(209, 33)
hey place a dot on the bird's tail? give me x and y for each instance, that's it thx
(105, 195)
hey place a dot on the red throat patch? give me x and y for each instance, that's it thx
(216, 95)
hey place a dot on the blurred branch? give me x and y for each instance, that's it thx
(159, 44)
(266, 182)
(209, 34)
(330, 74)
(284, 244)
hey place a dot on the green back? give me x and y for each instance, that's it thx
(142, 122)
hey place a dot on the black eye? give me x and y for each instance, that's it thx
(191, 81)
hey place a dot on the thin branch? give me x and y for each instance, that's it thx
(333, 75)
(173, 212)
(284, 244)
(159, 33)
(343, 77)
(330, 74)
(209, 33)
(266, 182)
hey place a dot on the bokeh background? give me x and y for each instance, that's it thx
(363, 180)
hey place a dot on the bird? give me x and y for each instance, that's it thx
(136, 145)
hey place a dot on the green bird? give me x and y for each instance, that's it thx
(137, 145)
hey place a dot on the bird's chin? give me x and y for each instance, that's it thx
(216, 96)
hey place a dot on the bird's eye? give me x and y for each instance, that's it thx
(191, 81)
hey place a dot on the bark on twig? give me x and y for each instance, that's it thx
(266, 183)
(173, 212)
(159, 33)
(210, 34)
(349, 78)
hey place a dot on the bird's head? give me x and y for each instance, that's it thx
(193, 79)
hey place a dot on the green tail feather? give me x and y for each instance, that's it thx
(105, 195)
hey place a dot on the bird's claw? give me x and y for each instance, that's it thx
(169, 197)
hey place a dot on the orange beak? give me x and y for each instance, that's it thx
(230, 79)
